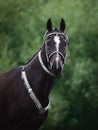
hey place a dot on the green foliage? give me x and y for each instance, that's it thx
(74, 98)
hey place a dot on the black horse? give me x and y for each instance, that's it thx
(24, 90)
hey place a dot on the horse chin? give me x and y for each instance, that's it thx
(56, 69)
(57, 73)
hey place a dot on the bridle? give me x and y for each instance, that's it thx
(48, 69)
(56, 51)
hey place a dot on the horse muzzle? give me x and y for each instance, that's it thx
(56, 64)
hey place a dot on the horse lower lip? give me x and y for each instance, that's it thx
(56, 70)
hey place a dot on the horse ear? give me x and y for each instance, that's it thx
(49, 24)
(62, 25)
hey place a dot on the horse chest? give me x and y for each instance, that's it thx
(23, 114)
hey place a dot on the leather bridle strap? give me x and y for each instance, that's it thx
(43, 65)
(32, 94)
(55, 52)
(53, 33)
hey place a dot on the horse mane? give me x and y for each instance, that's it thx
(32, 57)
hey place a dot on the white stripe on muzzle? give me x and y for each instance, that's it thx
(57, 41)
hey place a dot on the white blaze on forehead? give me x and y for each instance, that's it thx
(57, 41)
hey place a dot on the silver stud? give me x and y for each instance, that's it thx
(29, 90)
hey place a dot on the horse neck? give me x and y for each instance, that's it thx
(39, 80)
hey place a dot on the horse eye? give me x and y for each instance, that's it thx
(62, 36)
(49, 37)
(64, 43)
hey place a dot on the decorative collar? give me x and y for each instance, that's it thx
(37, 103)
(43, 65)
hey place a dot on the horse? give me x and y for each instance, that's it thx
(25, 89)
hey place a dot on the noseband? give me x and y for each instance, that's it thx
(57, 52)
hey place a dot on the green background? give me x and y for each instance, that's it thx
(74, 97)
